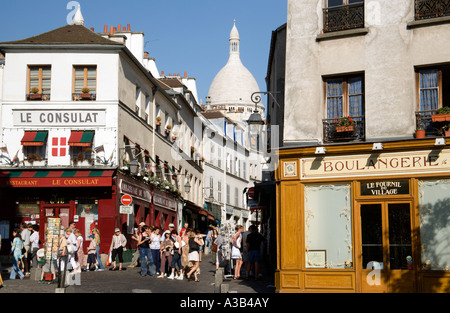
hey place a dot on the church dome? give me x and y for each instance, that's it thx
(234, 84)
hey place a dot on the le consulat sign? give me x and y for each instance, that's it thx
(372, 165)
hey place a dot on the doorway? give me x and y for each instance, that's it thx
(385, 249)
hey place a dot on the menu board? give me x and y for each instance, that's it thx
(52, 238)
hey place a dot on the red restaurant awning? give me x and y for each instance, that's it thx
(34, 138)
(81, 138)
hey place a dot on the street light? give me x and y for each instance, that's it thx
(255, 121)
(134, 166)
(187, 187)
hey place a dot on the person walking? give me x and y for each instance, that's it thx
(166, 255)
(72, 250)
(135, 260)
(118, 243)
(34, 241)
(99, 264)
(176, 259)
(16, 250)
(25, 234)
(254, 240)
(144, 241)
(219, 255)
(185, 250)
(195, 243)
(236, 255)
(155, 248)
(80, 253)
(91, 250)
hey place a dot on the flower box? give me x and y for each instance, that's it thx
(35, 96)
(440, 117)
(341, 129)
(86, 96)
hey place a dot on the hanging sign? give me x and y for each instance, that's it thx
(385, 188)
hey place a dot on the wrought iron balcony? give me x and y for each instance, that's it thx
(332, 133)
(424, 120)
(425, 9)
(343, 17)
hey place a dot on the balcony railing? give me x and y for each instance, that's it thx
(343, 17)
(425, 9)
(424, 121)
(331, 134)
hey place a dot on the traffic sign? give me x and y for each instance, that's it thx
(126, 200)
(251, 192)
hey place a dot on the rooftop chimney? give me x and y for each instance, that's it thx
(128, 28)
(105, 30)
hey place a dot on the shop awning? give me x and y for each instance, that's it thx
(62, 178)
(81, 138)
(34, 138)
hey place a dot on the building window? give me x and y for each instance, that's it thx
(344, 97)
(219, 191)
(343, 15)
(434, 213)
(425, 9)
(328, 226)
(84, 82)
(432, 94)
(39, 82)
(236, 196)
(228, 194)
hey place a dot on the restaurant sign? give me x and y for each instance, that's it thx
(405, 163)
(61, 117)
(385, 188)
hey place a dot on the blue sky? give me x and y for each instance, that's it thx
(182, 35)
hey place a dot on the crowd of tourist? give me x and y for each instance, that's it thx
(164, 254)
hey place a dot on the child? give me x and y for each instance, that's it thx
(49, 267)
(92, 251)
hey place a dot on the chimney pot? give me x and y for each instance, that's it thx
(128, 27)
(105, 30)
(124, 29)
(119, 28)
(185, 74)
(92, 28)
(111, 30)
(162, 73)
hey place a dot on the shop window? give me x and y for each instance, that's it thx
(434, 209)
(328, 226)
(4, 229)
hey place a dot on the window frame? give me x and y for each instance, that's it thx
(40, 78)
(440, 88)
(85, 76)
(345, 93)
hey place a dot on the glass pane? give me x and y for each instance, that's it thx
(400, 253)
(434, 209)
(372, 235)
(328, 226)
(333, 3)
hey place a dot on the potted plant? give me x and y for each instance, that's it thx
(420, 131)
(442, 115)
(345, 124)
(34, 94)
(446, 130)
(85, 93)
(158, 121)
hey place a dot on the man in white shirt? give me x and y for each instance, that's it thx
(25, 234)
(34, 240)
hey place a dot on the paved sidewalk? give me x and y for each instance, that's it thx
(130, 281)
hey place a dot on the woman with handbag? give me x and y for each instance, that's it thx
(194, 247)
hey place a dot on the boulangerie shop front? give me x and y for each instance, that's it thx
(365, 221)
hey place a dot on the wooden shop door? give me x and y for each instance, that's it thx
(385, 249)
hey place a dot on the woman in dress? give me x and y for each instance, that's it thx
(185, 251)
(195, 243)
(16, 250)
(236, 241)
(176, 260)
(80, 253)
(155, 248)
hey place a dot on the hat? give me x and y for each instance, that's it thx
(116, 230)
(91, 236)
(141, 224)
(171, 225)
(40, 253)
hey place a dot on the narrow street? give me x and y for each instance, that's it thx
(130, 281)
